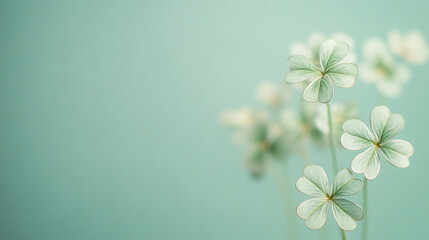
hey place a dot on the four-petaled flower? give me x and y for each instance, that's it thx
(384, 126)
(314, 211)
(328, 72)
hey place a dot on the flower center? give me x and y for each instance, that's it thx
(305, 127)
(265, 145)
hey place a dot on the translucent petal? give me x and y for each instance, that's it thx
(326, 91)
(379, 117)
(343, 75)
(331, 53)
(314, 182)
(311, 92)
(367, 162)
(394, 125)
(314, 211)
(301, 69)
(397, 152)
(357, 135)
(346, 213)
(344, 184)
(306, 186)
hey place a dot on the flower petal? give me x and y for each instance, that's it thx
(384, 124)
(326, 91)
(314, 211)
(367, 162)
(302, 69)
(343, 75)
(397, 152)
(314, 182)
(357, 135)
(331, 53)
(379, 117)
(346, 213)
(311, 92)
(344, 184)
(394, 125)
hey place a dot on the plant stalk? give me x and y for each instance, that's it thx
(343, 235)
(365, 209)
(331, 140)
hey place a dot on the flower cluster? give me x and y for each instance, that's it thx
(278, 130)
(380, 66)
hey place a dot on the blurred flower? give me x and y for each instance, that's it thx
(322, 77)
(412, 47)
(384, 126)
(340, 113)
(241, 118)
(311, 48)
(271, 94)
(266, 142)
(380, 68)
(315, 211)
(302, 128)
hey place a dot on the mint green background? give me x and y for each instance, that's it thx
(109, 117)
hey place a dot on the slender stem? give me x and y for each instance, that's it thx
(333, 153)
(365, 208)
(343, 235)
(331, 140)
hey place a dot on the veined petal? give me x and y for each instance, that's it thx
(394, 125)
(314, 181)
(331, 53)
(326, 91)
(314, 211)
(343, 75)
(367, 162)
(301, 69)
(346, 213)
(308, 187)
(357, 135)
(397, 152)
(344, 184)
(311, 92)
(378, 118)
(296, 76)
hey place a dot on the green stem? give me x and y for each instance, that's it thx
(331, 140)
(365, 209)
(343, 235)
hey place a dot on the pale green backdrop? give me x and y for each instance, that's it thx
(109, 117)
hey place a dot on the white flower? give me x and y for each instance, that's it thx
(311, 48)
(271, 94)
(412, 47)
(241, 118)
(379, 67)
(301, 126)
(385, 126)
(340, 113)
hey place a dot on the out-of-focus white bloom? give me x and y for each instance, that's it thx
(340, 114)
(311, 48)
(271, 94)
(379, 67)
(301, 126)
(266, 142)
(242, 118)
(412, 47)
